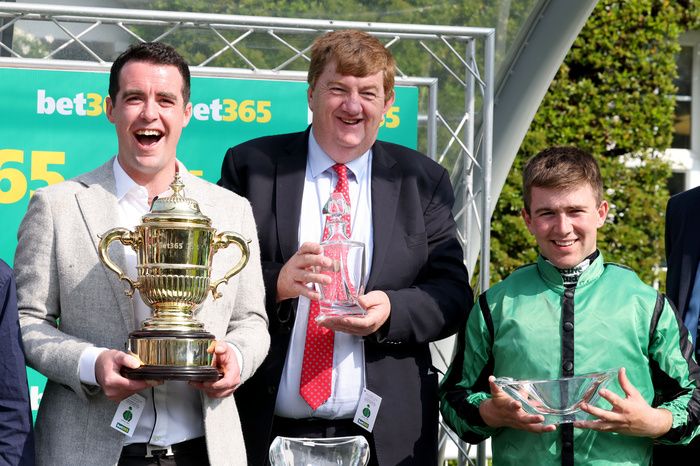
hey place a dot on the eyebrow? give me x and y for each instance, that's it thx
(371, 86)
(132, 92)
(366, 87)
(568, 207)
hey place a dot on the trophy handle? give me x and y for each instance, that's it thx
(127, 238)
(223, 240)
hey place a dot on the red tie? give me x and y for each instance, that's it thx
(317, 365)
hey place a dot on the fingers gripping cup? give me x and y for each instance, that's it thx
(174, 245)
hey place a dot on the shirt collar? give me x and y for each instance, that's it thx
(554, 279)
(125, 184)
(319, 162)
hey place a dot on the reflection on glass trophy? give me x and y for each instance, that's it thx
(338, 451)
(347, 272)
(558, 400)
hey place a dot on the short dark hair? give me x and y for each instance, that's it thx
(355, 53)
(150, 52)
(562, 168)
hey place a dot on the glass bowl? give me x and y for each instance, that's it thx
(334, 451)
(558, 400)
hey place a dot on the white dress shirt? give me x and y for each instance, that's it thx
(348, 351)
(173, 410)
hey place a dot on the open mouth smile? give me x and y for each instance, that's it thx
(566, 243)
(148, 137)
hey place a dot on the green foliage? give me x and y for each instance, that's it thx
(613, 96)
(29, 46)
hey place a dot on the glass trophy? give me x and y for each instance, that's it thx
(347, 271)
(338, 451)
(558, 400)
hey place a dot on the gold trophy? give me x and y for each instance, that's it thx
(174, 245)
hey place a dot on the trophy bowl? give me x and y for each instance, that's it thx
(175, 245)
(332, 451)
(558, 400)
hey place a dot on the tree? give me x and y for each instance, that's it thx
(613, 96)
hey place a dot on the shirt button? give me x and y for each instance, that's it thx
(568, 366)
(568, 326)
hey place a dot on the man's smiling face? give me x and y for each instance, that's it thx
(149, 114)
(347, 111)
(565, 223)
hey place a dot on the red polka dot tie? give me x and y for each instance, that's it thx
(317, 365)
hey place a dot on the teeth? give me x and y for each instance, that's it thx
(148, 132)
(349, 122)
(564, 243)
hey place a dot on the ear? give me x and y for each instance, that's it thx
(602, 213)
(109, 108)
(310, 97)
(188, 114)
(389, 102)
(527, 218)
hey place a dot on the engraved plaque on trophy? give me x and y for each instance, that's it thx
(174, 246)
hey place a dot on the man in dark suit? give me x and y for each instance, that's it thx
(417, 289)
(16, 436)
(683, 289)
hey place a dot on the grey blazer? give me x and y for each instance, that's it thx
(59, 276)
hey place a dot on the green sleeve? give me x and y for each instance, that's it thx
(465, 386)
(675, 375)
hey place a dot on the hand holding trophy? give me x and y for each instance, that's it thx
(347, 272)
(174, 245)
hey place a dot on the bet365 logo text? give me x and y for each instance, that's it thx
(90, 104)
(93, 104)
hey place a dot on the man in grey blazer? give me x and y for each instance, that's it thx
(75, 317)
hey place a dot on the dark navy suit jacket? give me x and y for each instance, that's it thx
(682, 258)
(16, 436)
(417, 261)
(683, 249)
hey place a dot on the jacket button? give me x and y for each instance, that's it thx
(568, 366)
(568, 326)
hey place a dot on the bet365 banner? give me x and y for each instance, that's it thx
(54, 127)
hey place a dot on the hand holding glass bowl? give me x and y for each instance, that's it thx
(558, 400)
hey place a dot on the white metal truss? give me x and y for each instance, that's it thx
(461, 56)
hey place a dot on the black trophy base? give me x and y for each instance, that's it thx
(189, 374)
(172, 355)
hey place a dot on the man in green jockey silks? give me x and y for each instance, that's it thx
(569, 314)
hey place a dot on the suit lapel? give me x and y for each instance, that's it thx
(690, 261)
(386, 186)
(291, 171)
(98, 205)
(194, 189)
